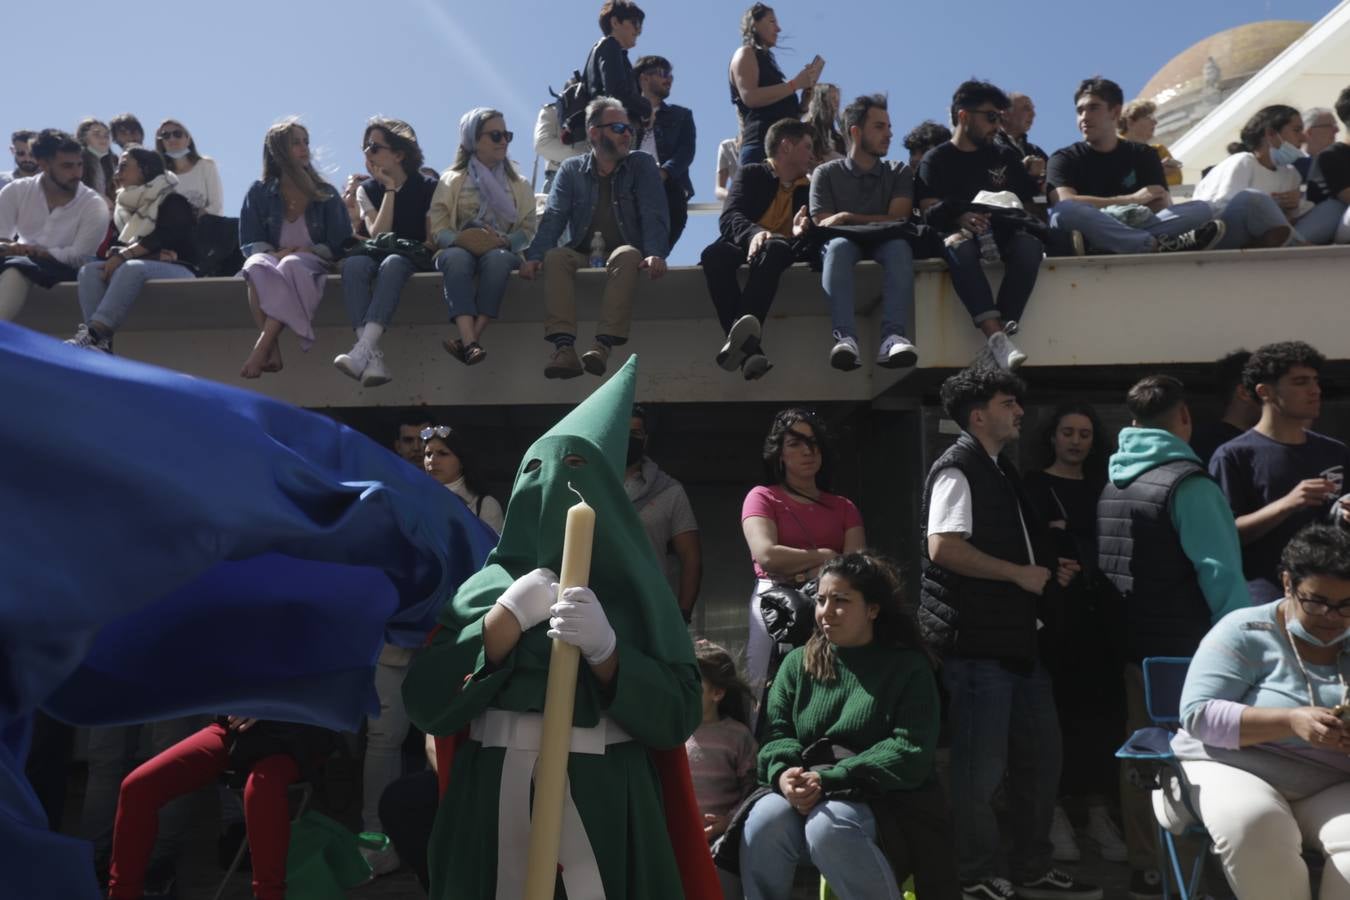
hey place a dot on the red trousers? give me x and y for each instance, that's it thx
(187, 766)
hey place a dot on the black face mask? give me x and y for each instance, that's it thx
(636, 447)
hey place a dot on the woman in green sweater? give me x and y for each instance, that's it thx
(848, 750)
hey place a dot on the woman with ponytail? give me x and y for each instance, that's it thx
(848, 751)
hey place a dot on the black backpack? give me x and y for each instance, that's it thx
(571, 105)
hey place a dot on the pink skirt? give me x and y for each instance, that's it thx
(289, 291)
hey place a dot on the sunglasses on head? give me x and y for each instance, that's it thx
(373, 147)
(174, 133)
(440, 431)
(619, 127)
(497, 136)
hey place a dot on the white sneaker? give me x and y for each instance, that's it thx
(844, 354)
(1005, 352)
(1102, 829)
(375, 374)
(1061, 836)
(353, 363)
(382, 862)
(897, 352)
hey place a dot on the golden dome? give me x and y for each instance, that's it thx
(1239, 52)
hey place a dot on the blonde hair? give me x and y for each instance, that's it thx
(1135, 110)
(278, 164)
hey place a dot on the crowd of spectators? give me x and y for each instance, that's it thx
(618, 157)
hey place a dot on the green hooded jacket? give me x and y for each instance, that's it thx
(656, 696)
(1200, 514)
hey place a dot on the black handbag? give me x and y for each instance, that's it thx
(218, 254)
(789, 612)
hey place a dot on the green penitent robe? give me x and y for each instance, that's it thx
(655, 697)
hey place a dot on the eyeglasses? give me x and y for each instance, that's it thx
(174, 133)
(497, 136)
(619, 127)
(440, 431)
(373, 147)
(992, 116)
(1322, 608)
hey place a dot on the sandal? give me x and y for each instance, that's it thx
(455, 348)
(474, 354)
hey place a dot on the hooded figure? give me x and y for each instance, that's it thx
(650, 701)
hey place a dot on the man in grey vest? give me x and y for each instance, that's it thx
(988, 564)
(1167, 541)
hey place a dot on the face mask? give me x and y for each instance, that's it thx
(177, 154)
(1297, 630)
(1285, 155)
(636, 447)
(97, 152)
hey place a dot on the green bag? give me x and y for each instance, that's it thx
(325, 858)
(390, 244)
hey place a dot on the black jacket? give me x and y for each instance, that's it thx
(608, 73)
(176, 230)
(749, 197)
(675, 142)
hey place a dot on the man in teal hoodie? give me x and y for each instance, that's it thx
(1167, 540)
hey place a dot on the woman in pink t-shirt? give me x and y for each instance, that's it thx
(791, 524)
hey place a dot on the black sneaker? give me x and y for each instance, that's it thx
(1055, 884)
(988, 889)
(1145, 884)
(1202, 238)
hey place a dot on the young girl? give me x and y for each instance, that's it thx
(722, 750)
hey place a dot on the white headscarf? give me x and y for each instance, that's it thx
(498, 204)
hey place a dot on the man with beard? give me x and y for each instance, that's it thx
(24, 163)
(863, 189)
(950, 177)
(663, 508)
(669, 137)
(985, 580)
(59, 221)
(625, 230)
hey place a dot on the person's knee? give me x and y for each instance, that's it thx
(830, 832)
(841, 249)
(1068, 211)
(1251, 828)
(558, 259)
(499, 261)
(352, 266)
(394, 264)
(90, 274)
(894, 253)
(271, 776)
(625, 257)
(134, 271)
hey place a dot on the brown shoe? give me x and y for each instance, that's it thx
(563, 363)
(595, 358)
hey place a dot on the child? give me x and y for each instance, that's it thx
(721, 751)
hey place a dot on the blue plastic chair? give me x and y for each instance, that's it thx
(1163, 680)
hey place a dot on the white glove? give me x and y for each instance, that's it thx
(530, 596)
(579, 620)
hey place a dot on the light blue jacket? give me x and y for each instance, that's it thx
(639, 205)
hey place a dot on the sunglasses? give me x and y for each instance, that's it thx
(174, 133)
(619, 127)
(440, 431)
(497, 136)
(373, 147)
(992, 116)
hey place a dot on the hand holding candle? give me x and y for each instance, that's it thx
(550, 778)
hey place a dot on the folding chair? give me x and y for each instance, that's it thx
(1163, 680)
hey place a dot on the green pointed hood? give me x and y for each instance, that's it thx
(584, 452)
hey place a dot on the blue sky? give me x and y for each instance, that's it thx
(228, 70)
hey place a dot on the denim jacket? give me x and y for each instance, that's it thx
(675, 140)
(264, 212)
(639, 205)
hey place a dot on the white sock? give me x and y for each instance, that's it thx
(370, 333)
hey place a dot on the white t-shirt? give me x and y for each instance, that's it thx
(1241, 171)
(728, 160)
(202, 188)
(951, 509)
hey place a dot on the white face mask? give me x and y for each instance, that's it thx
(1286, 154)
(1297, 630)
(177, 154)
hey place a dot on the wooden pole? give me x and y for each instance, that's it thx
(550, 779)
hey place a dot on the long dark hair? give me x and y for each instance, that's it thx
(1094, 466)
(149, 162)
(401, 139)
(878, 580)
(773, 445)
(456, 444)
(719, 670)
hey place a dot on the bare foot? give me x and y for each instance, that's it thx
(257, 361)
(273, 363)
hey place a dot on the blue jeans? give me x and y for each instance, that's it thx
(458, 267)
(1102, 232)
(1318, 225)
(897, 283)
(839, 837)
(108, 304)
(1002, 720)
(1249, 215)
(1022, 255)
(371, 289)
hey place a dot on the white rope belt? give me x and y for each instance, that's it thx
(519, 733)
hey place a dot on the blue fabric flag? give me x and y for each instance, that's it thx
(171, 546)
